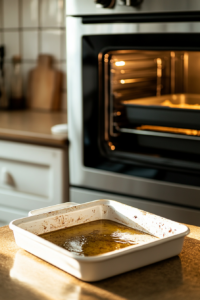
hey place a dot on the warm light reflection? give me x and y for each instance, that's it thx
(112, 147)
(180, 105)
(41, 280)
(120, 63)
(45, 281)
(159, 67)
(193, 132)
(159, 76)
(132, 80)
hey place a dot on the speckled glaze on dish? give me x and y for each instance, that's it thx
(171, 236)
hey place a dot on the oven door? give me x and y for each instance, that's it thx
(92, 164)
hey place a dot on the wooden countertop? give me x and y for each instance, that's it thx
(32, 127)
(24, 276)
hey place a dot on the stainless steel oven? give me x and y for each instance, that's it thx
(133, 82)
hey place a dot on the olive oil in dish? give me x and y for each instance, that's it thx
(97, 237)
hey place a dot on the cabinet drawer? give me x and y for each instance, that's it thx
(31, 176)
(25, 177)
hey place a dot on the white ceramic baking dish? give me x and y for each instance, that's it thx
(51, 208)
(170, 242)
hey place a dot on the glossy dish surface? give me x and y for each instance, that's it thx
(97, 237)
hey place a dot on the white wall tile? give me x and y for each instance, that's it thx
(30, 9)
(30, 44)
(31, 41)
(52, 13)
(1, 14)
(11, 42)
(63, 12)
(50, 41)
(10, 11)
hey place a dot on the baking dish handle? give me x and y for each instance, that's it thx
(51, 208)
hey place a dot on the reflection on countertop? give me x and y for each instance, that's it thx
(32, 127)
(24, 276)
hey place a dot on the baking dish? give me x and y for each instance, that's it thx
(171, 236)
(51, 208)
(150, 111)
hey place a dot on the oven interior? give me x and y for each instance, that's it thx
(152, 104)
(141, 105)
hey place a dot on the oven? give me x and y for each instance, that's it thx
(133, 85)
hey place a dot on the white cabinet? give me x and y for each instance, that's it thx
(8, 214)
(31, 177)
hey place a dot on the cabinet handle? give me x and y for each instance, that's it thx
(6, 178)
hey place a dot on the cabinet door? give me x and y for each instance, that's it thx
(7, 214)
(31, 176)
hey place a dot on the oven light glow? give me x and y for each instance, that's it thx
(132, 80)
(112, 147)
(120, 63)
(192, 132)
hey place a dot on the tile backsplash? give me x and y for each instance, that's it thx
(30, 27)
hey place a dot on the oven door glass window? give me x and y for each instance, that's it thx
(148, 112)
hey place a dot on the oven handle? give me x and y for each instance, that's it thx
(191, 16)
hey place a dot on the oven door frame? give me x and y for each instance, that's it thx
(81, 176)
